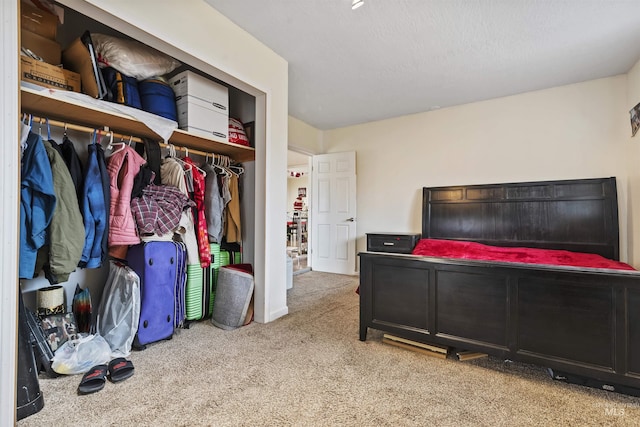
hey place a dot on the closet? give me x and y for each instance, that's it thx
(208, 43)
(55, 114)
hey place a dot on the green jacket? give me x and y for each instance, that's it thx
(66, 232)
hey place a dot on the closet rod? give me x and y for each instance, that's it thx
(79, 128)
(43, 121)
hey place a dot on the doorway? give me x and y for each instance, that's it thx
(298, 192)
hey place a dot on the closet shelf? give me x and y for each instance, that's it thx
(39, 103)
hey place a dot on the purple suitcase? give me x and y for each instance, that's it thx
(157, 263)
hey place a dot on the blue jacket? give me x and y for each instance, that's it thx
(37, 203)
(94, 210)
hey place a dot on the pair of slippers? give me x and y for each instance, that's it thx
(119, 369)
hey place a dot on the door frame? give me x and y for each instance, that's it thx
(10, 196)
(309, 155)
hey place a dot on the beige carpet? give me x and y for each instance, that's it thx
(309, 369)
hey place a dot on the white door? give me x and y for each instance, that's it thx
(333, 213)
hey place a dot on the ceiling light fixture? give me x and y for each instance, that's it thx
(356, 4)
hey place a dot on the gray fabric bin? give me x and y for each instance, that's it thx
(233, 296)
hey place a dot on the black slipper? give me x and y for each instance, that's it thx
(120, 369)
(93, 380)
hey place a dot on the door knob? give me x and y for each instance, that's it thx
(350, 219)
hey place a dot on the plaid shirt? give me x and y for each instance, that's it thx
(159, 208)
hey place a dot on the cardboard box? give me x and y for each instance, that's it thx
(188, 83)
(196, 116)
(48, 75)
(45, 48)
(76, 58)
(38, 21)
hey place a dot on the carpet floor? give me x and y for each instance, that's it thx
(308, 368)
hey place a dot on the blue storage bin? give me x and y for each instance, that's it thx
(157, 97)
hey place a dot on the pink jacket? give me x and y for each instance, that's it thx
(123, 165)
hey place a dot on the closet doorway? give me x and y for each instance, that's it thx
(298, 197)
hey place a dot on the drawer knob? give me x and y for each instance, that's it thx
(388, 243)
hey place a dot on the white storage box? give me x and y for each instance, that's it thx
(202, 105)
(188, 83)
(195, 117)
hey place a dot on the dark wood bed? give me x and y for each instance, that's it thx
(581, 323)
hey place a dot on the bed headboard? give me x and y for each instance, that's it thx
(579, 215)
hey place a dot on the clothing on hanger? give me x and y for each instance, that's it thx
(172, 173)
(233, 228)
(214, 205)
(65, 240)
(123, 165)
(94, 205)
(37, 203)
(199, 213)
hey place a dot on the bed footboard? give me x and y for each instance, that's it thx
(581, 322)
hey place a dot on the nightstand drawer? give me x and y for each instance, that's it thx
(392, 242)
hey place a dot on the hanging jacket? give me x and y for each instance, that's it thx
(214, 204)
(72, 161)
(68, 153)
(37, 203)
(106, 191)
(123, 166)
(172, 174)
(199, 213)
(233, 229)
(94, 210)
(65, 237)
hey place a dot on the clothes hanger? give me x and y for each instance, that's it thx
(26, 119)
(111, 144)
(239, 170)
(172, 154)
(216, 168)
(218, 165)
(25, 130)
(186, 154)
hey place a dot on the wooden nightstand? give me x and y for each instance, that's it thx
(400, 243)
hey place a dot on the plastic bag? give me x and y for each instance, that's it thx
(79, 355)
(119, 312)
(131, 57)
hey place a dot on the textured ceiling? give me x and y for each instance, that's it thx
(396, 57)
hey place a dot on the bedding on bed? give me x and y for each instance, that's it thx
(478, 251)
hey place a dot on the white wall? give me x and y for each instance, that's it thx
(574, 131)
(304, 138)
(632, 156)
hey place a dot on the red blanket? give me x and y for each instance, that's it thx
(477, 251)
